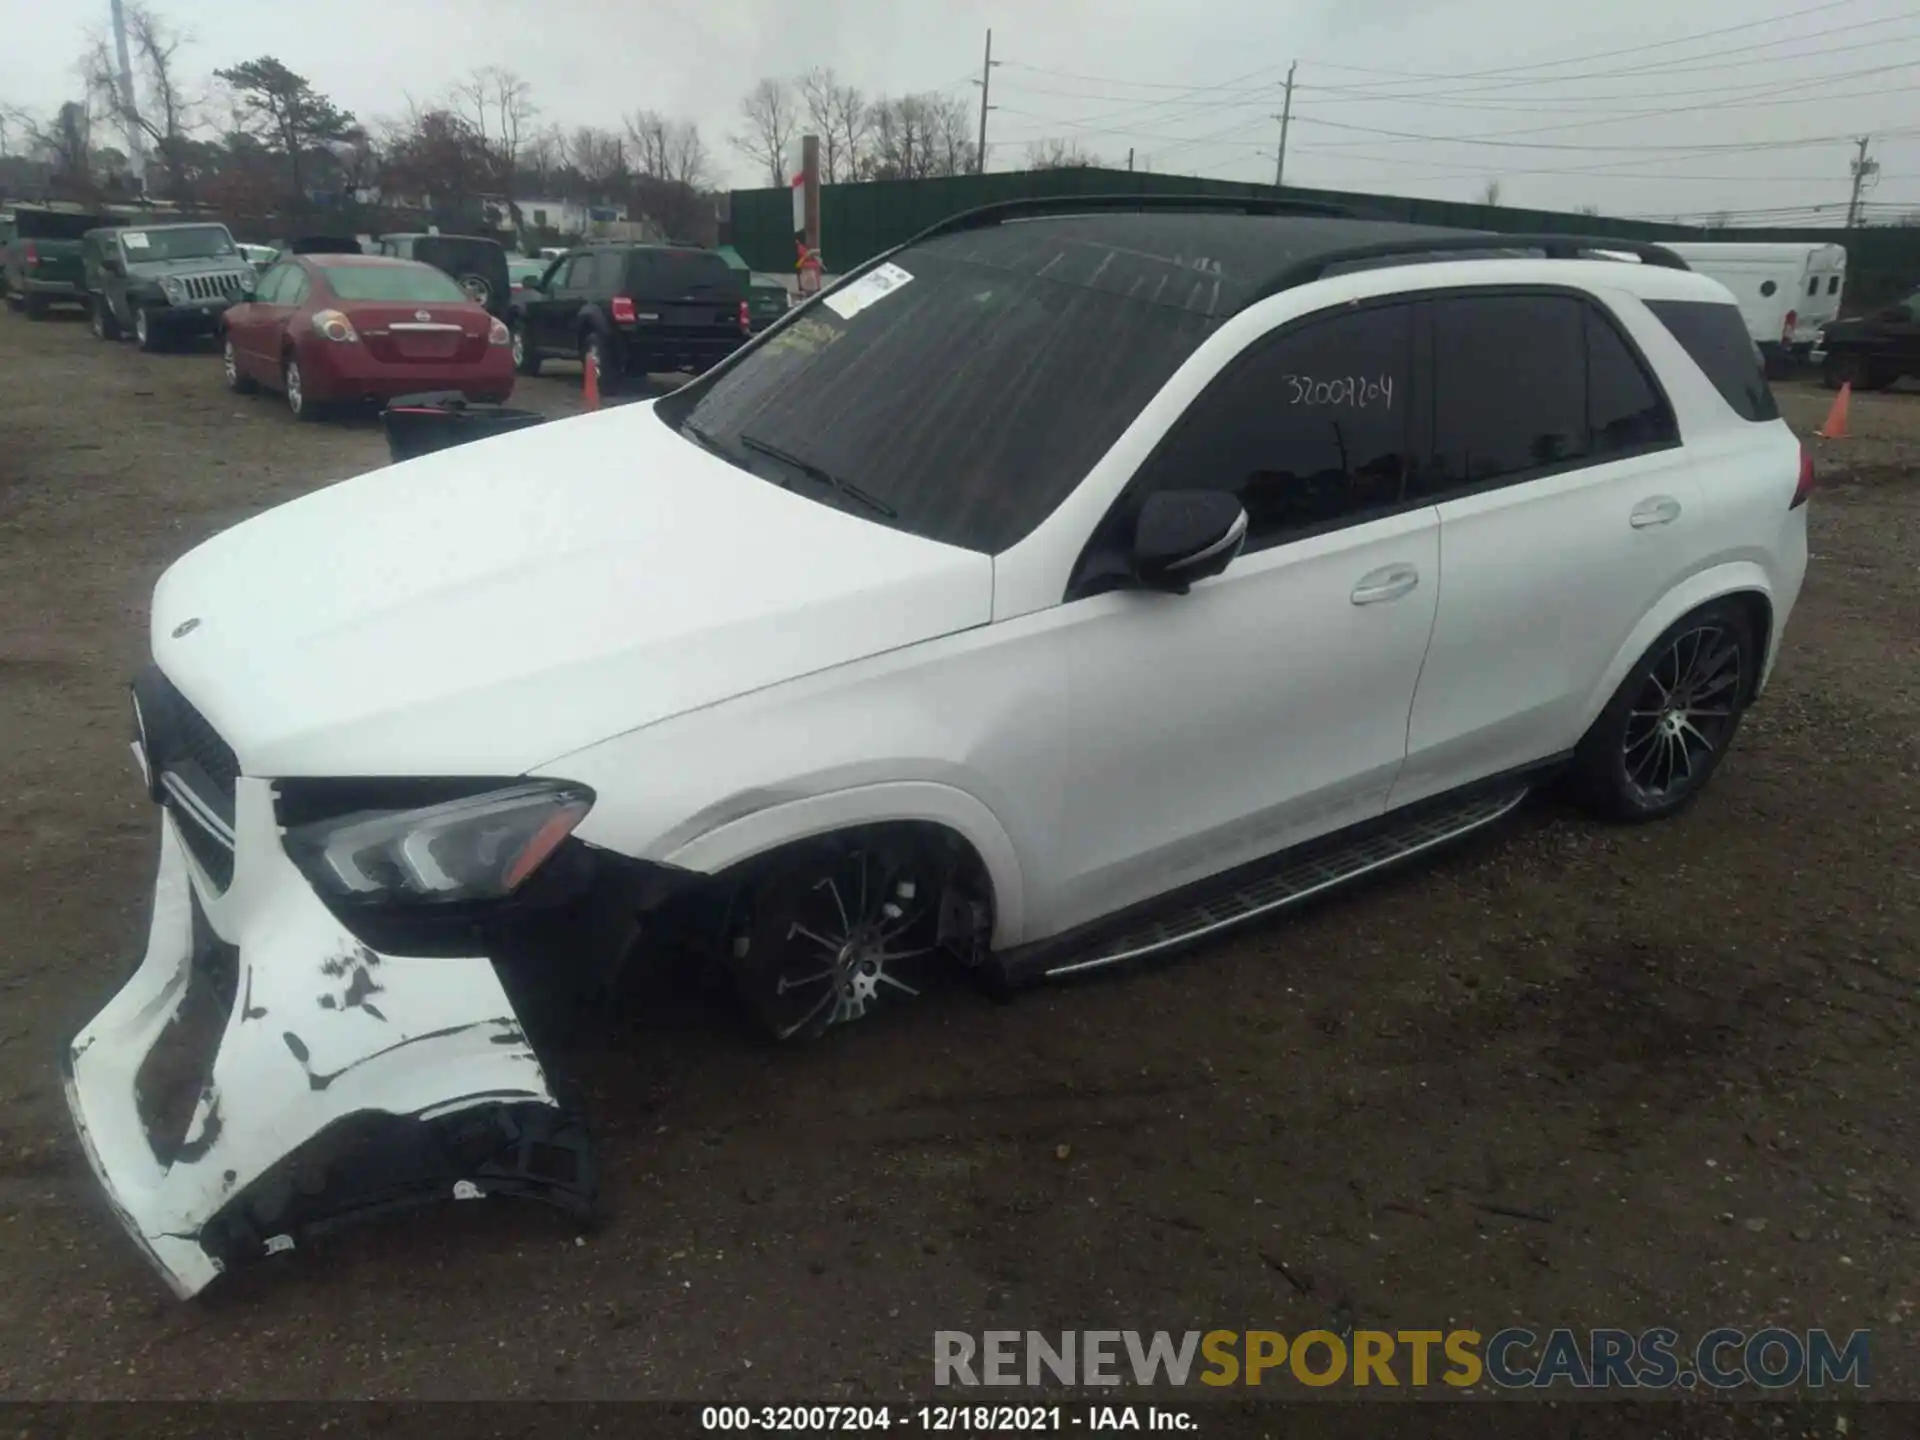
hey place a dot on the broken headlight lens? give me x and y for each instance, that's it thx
(480, 847)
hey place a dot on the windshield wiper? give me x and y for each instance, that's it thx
(825, 477)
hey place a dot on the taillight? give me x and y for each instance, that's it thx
(1793, 322)
(31, 255)
(335, 326)
(746, 316)
(1805, 488)
(623, 309)
(498, 334)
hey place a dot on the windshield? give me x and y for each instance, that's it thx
(969, 396)
(420, 284)
(189, 242)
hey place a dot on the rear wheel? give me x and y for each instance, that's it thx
(238, 380)
(105, 325)
(1661, 737)
(1849, 368)
(526, 359)
(294, 384)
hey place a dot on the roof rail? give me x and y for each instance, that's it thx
(1478, 243)
(1035, 206)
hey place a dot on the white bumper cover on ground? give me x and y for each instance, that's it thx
(323, 1028)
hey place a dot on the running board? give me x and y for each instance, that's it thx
(1299, 877)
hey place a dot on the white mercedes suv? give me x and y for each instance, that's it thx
(1073, 581)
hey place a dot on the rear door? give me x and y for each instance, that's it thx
(1567, 510)
(554, 313)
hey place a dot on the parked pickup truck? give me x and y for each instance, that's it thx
(41, 266)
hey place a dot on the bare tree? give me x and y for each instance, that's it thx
(65, 144)
(769, 115)
(1491, 194)
(840, 115)
(918, 136)
(171, 113)
(497, 106)
(956, 151)
(600, 156)
(1059, 155)
(670, 150)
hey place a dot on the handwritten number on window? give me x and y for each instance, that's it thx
(1355, 392)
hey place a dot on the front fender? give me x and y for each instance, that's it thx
(1733, 578)
(780, 824)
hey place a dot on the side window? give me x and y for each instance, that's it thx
(1767, 287)
(1309, 428)
(1813, 285)
(295, 288)
(1509, 393)
(571, 273)
(1625, 410)
(609, 272)
(271, 284)
(1833, 284)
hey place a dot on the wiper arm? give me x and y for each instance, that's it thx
(825, 477)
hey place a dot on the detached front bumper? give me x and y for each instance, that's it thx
(337, 1081)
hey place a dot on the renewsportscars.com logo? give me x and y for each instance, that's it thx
(1510, 1359)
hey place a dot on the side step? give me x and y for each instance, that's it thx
(1299, 876)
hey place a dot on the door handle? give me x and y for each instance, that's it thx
(1389, 582)
(1660, 510)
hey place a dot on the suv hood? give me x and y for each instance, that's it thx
(490, 607)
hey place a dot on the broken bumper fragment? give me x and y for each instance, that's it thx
(328, 1081)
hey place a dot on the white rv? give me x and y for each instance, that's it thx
(1786, 292)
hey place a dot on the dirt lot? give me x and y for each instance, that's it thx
(1571, 1075)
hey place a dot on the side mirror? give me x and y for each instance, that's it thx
(1186, 535)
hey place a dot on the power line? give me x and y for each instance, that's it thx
(1730, 147)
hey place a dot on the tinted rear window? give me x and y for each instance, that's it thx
(403, 283)
(55, 224)
(969, 399)
(683, 275)
(1716, 337)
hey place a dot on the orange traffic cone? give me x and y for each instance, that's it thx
(1836, 426)
(590, 382)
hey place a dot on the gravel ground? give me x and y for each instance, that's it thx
(1566, 1075)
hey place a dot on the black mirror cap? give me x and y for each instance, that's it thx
(1186, 535)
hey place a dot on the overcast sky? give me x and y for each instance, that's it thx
(1607, 104)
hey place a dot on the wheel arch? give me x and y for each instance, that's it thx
(944, 807)
(1743, 581)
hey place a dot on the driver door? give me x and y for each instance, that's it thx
(1269, 705)
(252, 327)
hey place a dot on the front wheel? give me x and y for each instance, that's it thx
(147, 333)
(526, 359)
(238, 380)
(834, 928)
(1663, 733)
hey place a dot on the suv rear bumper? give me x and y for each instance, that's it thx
(647, 349)
(72, 290)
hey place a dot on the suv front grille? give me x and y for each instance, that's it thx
(211, 287)
(194, 771)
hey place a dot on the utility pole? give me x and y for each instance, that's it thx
(986, 75)
(1286, 114)
(136, 136)
(1129, 157)
(1863, 170)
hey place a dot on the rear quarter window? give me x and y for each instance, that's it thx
(1716, 339)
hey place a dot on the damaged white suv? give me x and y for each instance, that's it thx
(1059, 588)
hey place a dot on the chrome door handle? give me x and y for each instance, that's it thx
(1389, 582)
(1660, 510)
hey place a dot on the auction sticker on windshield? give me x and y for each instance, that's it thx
(134, 240)
(875, 285)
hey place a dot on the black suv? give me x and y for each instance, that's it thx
(1870, 352)
(162, 283)
(637, 309)
(479, 264)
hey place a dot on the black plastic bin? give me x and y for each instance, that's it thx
(421, 424)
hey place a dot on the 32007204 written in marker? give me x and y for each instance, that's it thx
(1348, 392)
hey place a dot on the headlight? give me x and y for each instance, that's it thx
(477, 848)
(174, 288)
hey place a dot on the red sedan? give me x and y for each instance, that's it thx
(329, 330)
